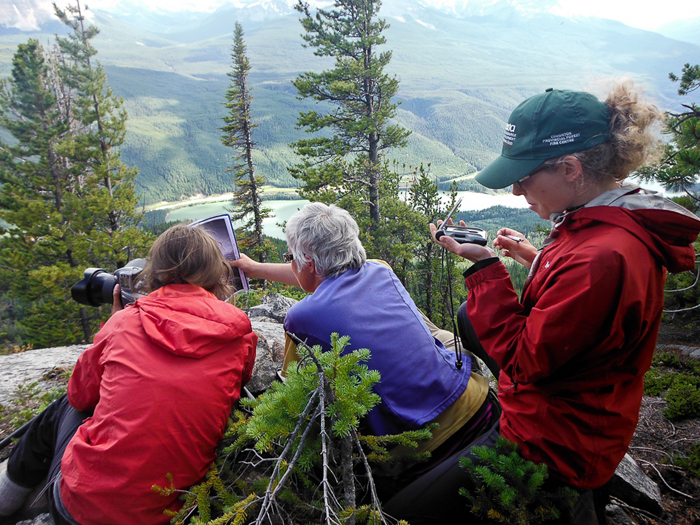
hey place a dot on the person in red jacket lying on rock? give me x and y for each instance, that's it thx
(148, 402)
(571, 354)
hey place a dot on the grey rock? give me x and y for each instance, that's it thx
(32, 365)
(270, 354)
(41, 519)
(631, 485)
(618, 515)
(690, 351)
(273, 306)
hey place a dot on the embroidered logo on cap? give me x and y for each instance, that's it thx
(509, 135)
(561, 138)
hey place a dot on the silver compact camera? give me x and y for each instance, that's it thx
(464, 234)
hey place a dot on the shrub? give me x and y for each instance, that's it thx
(656, 382)
(683, 398)
(506, 488)
(28, 400)
(690, 462)
(676, 377)
(297, 454)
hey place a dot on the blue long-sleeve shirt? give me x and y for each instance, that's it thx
(419, 379)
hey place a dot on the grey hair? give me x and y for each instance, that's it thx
(328, 235)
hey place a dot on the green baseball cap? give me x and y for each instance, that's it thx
(543, 127)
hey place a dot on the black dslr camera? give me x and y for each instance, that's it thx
(97, 285)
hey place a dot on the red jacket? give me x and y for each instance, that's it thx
(162, 377)
(574, 352)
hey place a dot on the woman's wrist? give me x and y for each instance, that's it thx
(481, 255)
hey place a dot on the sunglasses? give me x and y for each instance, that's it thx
(288, 257)
(520, 182)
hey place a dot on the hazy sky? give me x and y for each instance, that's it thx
(645, 14)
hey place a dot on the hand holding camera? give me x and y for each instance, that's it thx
(97, 286)
(461, 240)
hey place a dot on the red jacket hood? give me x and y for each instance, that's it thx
(189, 328)
(667, 229)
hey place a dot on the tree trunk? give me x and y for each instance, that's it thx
(85, 324)
(348, 475)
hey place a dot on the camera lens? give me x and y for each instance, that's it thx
(95, 288)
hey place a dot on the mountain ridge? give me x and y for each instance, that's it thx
(461, 75)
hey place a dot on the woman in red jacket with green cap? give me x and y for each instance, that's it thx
(571, 354)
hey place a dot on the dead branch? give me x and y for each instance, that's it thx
(637, 510)
(662, 479)
(271, 492)
(368, 470)
(648, 449)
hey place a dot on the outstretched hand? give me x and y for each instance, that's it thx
(278, 272)
(514, 245)
(248, 265)
(472, 252)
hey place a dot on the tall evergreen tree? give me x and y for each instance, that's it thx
(99, 123)
(67, 196)
(35, 196)
(247, 203)
(345, 164)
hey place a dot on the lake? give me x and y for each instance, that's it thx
(283, 210)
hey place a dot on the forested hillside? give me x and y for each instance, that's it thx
(460, 73)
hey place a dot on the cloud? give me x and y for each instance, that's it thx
(26, 15)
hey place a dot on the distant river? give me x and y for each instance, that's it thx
(283, 210)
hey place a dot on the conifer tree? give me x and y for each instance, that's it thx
(247, 203)
(345, 164)
(35, 196)
(679, 168)
(437, 274)
(506, 488)
(99, 123)
(301, 454)
(67, 196)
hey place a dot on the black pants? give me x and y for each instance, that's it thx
(591, 507)
(471, 342)
(434, 497)
(38, 453)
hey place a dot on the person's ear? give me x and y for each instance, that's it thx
(572, 168)
(311, 265)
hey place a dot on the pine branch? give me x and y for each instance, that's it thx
(272, 492)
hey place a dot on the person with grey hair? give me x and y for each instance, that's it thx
(421, 381)
(326, 236)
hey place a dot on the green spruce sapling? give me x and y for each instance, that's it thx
(299, 454)
(506, 488)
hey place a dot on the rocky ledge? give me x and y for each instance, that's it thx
(630, 484)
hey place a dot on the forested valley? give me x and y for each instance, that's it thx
(170, 143)
(361, 116)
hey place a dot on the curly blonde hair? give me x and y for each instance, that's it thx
(186, 255)
(632, 140)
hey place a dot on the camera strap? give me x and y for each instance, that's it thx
(445, 263)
